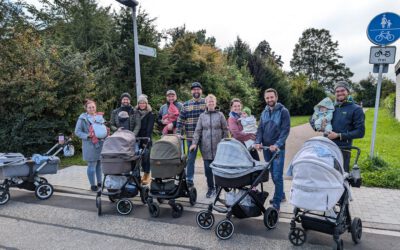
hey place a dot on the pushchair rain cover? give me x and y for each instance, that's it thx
(233, 160)
(318, 175)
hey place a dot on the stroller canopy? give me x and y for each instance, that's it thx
(318, 175)
(233, 160)
(167, 148)
(120, 144)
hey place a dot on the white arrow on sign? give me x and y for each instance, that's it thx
(382, 55)
(147, 51)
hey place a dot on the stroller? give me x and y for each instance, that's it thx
(235, 170)
(18, 171)
(320, 192)
(167, 162)
(121, 169)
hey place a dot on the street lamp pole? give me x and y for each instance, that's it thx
(132, 4)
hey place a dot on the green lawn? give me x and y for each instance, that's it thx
(299, 120)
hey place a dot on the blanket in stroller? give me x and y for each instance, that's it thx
(318, 175)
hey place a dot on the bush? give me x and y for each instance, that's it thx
(390, 102)
(376, 172)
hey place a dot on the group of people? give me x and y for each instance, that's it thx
(204, 126)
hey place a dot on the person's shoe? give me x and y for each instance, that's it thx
(189, 183)
(146, 179)
(99, 185)
(210, 192)
(93, 188)
(272, 201)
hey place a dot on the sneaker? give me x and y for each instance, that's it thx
(99, 185)
(93, 188)
(283, 200)
(210, 192)
(189, 183)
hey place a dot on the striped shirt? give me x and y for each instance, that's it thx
(189, 116)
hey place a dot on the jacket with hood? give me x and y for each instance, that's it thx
(328, 115)
(90, 151)
(274, 126)
(164, 110)
(134, 119)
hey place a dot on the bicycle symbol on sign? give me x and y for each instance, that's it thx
(381, 53)
(384, 35)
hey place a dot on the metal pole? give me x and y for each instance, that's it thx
(137, 63)
(378, 94)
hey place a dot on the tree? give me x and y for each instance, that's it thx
(315, 55)
(264, 51)
(366, 90)
(239, 53)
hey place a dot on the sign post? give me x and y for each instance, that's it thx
(383, 30)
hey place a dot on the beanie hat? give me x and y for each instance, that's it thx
(342, 84)
(142, 98)
(123, 114)
(126, 94)
(247, 111)
(196, 85)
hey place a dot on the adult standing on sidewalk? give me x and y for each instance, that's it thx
(91, 146)
(167, 125)
(348, 121)
(272, 132)
(236, 128)
(134, 117)
(211, 128)
(187, 122)
(146, 130)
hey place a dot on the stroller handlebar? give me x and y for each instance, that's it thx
(350, 148)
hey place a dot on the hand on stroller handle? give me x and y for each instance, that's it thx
(263, 148)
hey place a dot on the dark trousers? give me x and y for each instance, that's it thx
(346, 160)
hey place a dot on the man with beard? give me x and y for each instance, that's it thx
(118, 119)
(272, 132)
(348, 121)
(187, 122)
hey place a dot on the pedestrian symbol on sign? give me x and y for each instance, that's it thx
(384, 29)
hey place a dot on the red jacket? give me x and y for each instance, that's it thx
(236, 128)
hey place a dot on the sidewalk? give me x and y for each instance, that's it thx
(377, 207)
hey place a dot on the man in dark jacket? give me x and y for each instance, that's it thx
(348, 121)
(272, 132)
(171, 98)
(134, 117)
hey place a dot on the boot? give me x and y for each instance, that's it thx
(146, 179)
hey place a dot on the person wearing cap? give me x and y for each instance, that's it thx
(133, 121)
(169, 113)
(348, 121)
(187, 122)
(146, 130)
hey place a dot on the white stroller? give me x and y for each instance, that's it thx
(321, 193)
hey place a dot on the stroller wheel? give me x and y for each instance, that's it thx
(271, 217)
(154, 210)
(177, 210)
(205, 219)
(160, 200)
(224, 229)
(4, 196)
(44, 191)
(98, 205)
(192, 196)
(338, 245)
(124, 207)
(144, 194)
(297, 236)
(356, 230)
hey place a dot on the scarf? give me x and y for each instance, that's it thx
(142, 113)
(234, 115)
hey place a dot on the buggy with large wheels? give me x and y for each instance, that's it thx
(121, 162)
(321, 194)
(25, 173)
(238, 175)
(167, 163)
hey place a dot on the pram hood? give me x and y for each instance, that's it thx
(318, 175)
(167, 148)
(119, 145)
(233, 160)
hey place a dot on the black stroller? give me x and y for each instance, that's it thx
(234, 169)
(18, 171)
(168, 162)
(121, 169)
(321, 193)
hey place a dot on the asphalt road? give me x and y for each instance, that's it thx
(71, 222)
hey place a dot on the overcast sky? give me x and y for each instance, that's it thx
(279, 22)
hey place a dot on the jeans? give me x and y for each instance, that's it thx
(146, 160)
(190, 162)
(209, 174)
(277, 175)
(346, 160)
(94, 170)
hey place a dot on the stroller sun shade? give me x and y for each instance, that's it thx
(233, 160)
(120, 144)
(318, 175)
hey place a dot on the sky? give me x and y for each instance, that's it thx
(279, 22)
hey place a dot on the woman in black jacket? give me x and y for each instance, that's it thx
(146, 130)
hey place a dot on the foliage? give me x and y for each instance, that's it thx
(366, 90)
(390, 103)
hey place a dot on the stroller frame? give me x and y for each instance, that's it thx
(33, 182)
(119, 196)
(326, 224)
(225, 228)
(182, 189)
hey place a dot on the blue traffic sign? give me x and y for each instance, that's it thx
(384, 29)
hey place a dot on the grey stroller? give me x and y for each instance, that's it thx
(20, 172)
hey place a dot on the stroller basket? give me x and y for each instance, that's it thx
(240, 211)
(316, 224)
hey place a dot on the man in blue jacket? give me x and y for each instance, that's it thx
(272, 132)
(348, 121)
